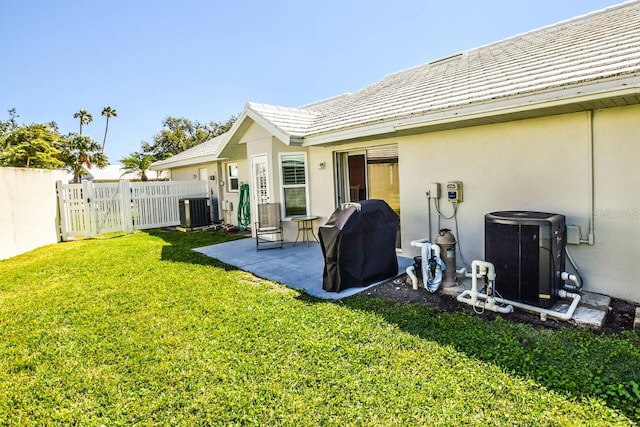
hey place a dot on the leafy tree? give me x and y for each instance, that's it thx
(137, 163)
(107, 112)
(7, 126)
(32, 146)
(179, 134)
(80, 150)
(84, 116)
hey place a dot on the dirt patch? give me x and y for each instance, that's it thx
(619, 318)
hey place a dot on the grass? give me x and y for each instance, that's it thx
(140, 330)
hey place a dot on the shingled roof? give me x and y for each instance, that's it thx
(588, 62)
(603, 45)
(201, 153)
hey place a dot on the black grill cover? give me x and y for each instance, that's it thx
(359, 245)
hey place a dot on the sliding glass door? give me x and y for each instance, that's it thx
(371, 173)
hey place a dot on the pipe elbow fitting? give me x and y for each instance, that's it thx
(414, 279)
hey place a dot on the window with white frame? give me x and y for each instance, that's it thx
(294, 183)
(232, 177)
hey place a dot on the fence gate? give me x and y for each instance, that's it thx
(89, 209)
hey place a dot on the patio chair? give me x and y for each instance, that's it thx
(269, 234)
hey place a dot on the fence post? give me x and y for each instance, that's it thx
(62, 212)
(127, 216)
(89, 212)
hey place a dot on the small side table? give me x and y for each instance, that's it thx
(305, 225)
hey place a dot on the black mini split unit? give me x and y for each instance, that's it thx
(195, 212)
(527, 250)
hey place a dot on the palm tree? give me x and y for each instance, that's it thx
(82, 151)
(137, 163)
(84, 116)
(107, 112)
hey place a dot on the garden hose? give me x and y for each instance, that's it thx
(244, 214)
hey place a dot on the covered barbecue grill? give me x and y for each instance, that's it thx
(359, 245)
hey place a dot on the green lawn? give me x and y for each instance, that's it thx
(139, 329)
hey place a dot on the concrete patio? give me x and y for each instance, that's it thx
(298, 267)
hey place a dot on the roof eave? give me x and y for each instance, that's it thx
(569, 95)
(192, 161)
(280, 134)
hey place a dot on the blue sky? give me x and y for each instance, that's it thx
(205, 59)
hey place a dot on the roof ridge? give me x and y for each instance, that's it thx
(582, 17)
(281, 107)
(445, 58)
(322, 101)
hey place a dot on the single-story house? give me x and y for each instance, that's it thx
(547, 121)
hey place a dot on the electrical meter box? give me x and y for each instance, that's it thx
(454, 191)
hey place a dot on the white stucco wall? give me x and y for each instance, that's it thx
(537, 164)
(543, 165)
(187, 173)
(28, 209)
(611, 264)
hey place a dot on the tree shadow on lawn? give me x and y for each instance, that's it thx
(181, 244)
(572, 361)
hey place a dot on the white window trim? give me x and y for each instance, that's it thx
(306, 181)
(229, 178)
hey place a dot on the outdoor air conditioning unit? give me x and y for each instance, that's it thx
(527, 250)
(195, 212)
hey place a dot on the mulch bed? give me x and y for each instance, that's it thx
(620, 316)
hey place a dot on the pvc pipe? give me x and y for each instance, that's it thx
(427, 250)
(418, 243)
(414, 279)
(573, 278)
(546, 312)
(473, 297)
(485, 267)
(474, 300)
(432, 246)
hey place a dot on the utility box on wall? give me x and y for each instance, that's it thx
(195, 212)
(527, 250)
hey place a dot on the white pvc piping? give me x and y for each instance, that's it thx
(426, 248)
(412, 275)
(474, 298)
(545, 312)
(573, 278)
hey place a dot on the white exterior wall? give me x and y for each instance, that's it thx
(537, 164)
(28, 209)
(542, 165)
(259, 142)
(187, 173)
(611, 264)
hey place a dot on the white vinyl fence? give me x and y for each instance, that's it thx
(89, 209)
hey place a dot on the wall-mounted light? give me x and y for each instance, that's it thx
(322, 165)
(195, 176)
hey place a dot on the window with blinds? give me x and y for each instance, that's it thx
(294, 183)
(232, 177)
